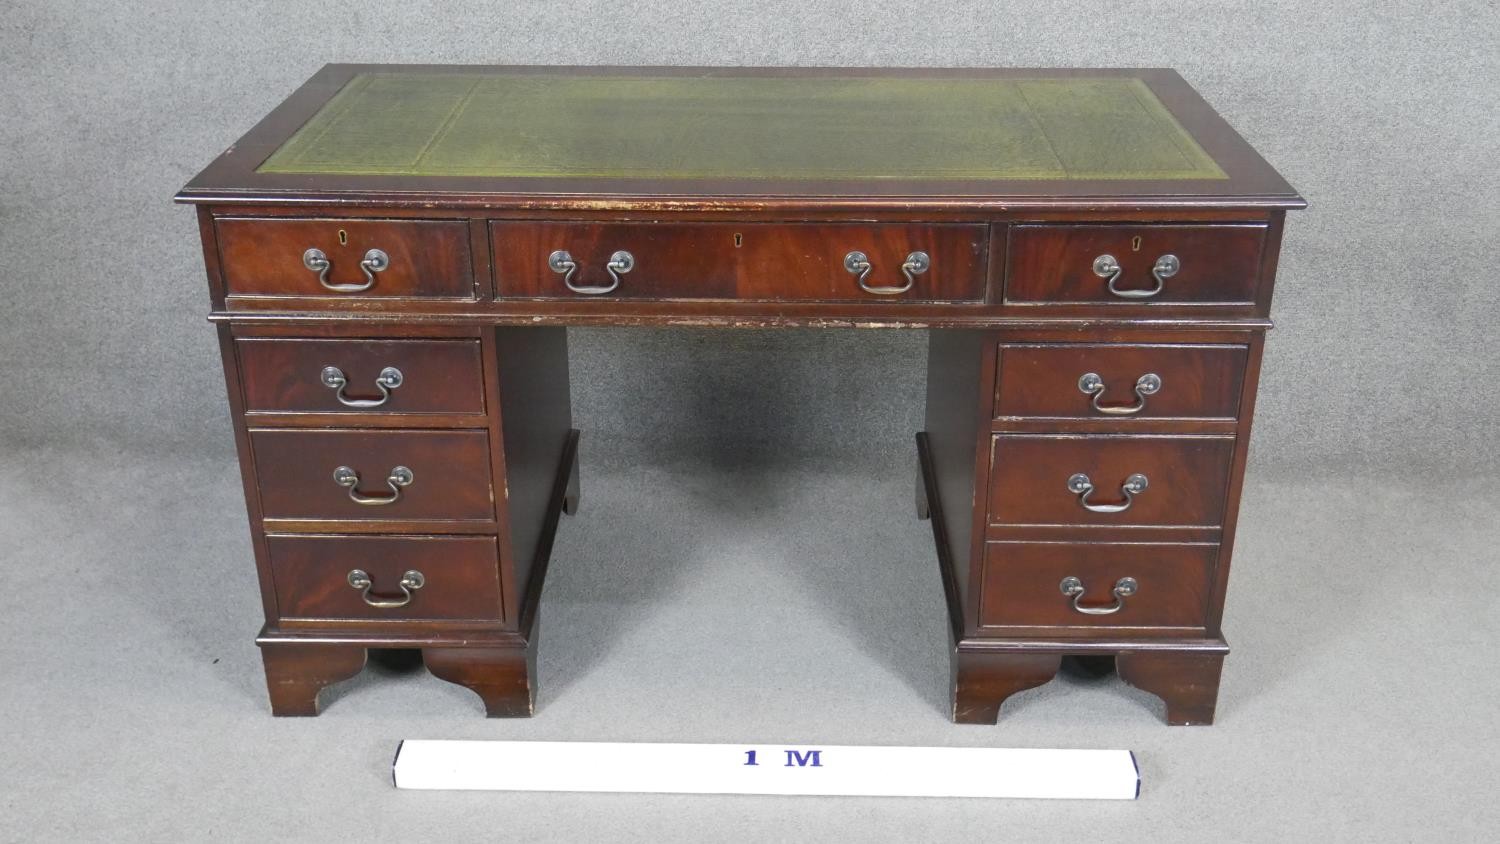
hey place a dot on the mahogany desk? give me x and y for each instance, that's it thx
(395, 253)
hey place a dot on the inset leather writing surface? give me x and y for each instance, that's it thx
(510, 125)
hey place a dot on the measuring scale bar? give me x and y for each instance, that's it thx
(767, 769)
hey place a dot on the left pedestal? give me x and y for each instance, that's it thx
(404, 483)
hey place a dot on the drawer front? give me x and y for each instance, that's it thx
(1186, 478)
(449, 474)
(740, 261)
(459, 577)
(361, 376)
(421, 258)
(1051, 381)
(1075, 265)
(1168, 585)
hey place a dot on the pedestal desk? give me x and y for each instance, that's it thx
(395, 254)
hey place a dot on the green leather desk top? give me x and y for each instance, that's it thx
(514, 125)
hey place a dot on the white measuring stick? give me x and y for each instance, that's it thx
(767, 769)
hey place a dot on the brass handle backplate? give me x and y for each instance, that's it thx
(1072, 587)
(410, 582)
(389, 379)
(1146, 385)
(1081, 486)
(1106, 267)
(562, 263)
(858, 264)
(399, 477)
(375, 261)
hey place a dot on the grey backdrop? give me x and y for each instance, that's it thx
(1383, 115)
(1364, 573)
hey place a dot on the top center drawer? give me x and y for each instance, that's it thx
(794, 261)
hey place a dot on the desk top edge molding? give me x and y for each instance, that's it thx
(1250, 183)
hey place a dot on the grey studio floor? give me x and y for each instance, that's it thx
(735, 594)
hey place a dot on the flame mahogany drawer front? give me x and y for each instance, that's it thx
(386, 578)
(1120, 585)
(805, 261)
(1119, 382)
(346, 257)
(1115, 481)
(1061, 264)
(354, 474)
(361, 376)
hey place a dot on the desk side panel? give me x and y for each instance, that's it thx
(957, 410)
(536, 414)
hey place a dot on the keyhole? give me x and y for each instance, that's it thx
(344, 238)
(739, 240)
(1135, 243)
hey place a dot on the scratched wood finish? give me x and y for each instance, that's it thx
(1054, 264)
(285, 375)
(1187, 477)
(741, 261)
(1040, 381)
(451, 474)
(428, 258)
(461, 577)
(1021, 586)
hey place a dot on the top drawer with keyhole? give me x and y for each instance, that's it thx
(349, 258)
(916, 262)
(1142, 265)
